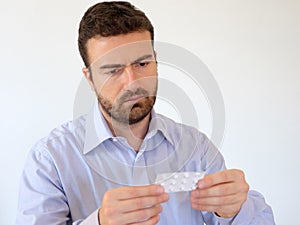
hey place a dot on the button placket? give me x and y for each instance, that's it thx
(139, 171)
(139, 157)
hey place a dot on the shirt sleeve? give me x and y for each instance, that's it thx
(42, 199)
(90, 220)
(254, 211)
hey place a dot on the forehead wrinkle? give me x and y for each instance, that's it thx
(111, 66)
(118, 65)
(147, 56)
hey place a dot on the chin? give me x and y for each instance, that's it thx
(137, 115)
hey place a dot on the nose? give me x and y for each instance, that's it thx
(129, 74)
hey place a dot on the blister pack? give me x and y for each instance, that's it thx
(183, 181)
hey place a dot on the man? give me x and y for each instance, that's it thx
(101, 167)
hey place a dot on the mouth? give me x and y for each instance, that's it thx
(134, 99)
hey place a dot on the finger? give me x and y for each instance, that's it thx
(217, 201)
(123, 193)
(152, 221)
(142, 214)
(220, 190)
(223, 211)
(221, 177)
(143, 202)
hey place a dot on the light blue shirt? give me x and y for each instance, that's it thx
(67, 173)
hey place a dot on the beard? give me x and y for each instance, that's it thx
(126, 112)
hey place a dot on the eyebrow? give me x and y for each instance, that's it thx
(111, 66)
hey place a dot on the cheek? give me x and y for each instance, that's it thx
(150, 83)
(108, 91)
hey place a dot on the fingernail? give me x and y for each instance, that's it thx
(201, 184)
(160, 189)
(166, 196)
(196, 194)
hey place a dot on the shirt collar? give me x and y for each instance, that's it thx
(158, 123)
(97, 130)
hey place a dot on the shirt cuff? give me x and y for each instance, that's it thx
(244, 216)
(224, 221)
(91, 219)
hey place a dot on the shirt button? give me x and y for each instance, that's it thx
(115, 139)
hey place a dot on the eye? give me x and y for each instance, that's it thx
(141, 64)
(114, 71)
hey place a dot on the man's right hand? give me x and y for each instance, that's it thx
(132, 205)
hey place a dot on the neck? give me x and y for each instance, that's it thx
(134, 133)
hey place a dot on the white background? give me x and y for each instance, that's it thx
(251, 47)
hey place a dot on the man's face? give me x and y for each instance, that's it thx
(123, 73)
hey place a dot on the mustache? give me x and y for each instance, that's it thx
(138, 92)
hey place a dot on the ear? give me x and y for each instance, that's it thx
(88, 76)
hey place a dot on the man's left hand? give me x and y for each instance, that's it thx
(223, 193)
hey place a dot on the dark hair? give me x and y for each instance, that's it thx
(110, 19)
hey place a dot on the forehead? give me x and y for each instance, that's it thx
(120, 48)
